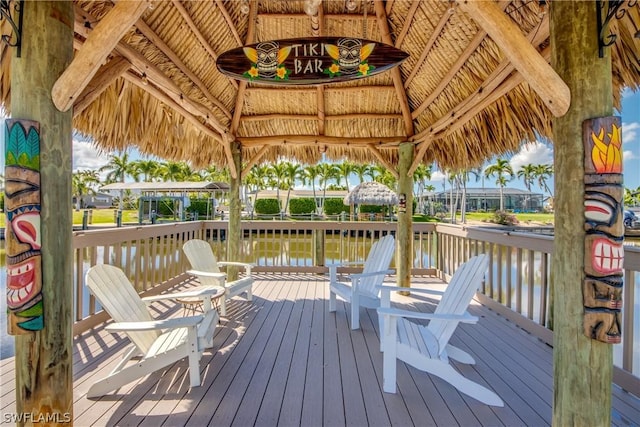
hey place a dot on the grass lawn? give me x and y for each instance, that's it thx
(106, 216)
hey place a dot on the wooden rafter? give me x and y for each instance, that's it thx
(320, 91)
(94, 52)
(227, 18)
(254, 160)
(462, 59)
(384, 161)
(427, 48)
(153, 75)
(407, 22)
(537, 36)
(383, 24)
(542, 78)
(164, 48)
(163, 97)
(328, 90)
(315, 140)
(321, 118)
(242, 86)
(505, 87)
(422, 149)
(106, 75)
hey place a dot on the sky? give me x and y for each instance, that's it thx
(85, 156)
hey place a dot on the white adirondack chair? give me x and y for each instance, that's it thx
(364, 288)
(159, 342)
(206, 268)
(427, 348)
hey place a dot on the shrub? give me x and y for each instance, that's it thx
(335, 206)
(200, 206)
(2, 201)
(504, 218)
(267, 206)
(371, 209)
(302, 206)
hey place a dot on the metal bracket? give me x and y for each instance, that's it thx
(5, 13)
(605, 11)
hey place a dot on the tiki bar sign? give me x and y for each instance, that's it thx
(311, 60)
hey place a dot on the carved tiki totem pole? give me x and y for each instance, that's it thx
(23, 237)
(604, 254)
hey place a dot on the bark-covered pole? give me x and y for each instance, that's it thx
(44, 380)
(234, 234)
(404, 243)
(582, 367)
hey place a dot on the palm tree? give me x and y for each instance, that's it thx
(544, 172)
(421, 175)
(500, 169)
(148, 168)
(430, 189)
(528, 175)
(326, 172)
(361, 170)
(278, 173)
(344, 170)
(172, 171)
(309, 175)
(384, 176)
(83, 182)
(293, 171)
(117, 169)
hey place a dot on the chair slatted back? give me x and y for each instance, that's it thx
(117, 296)
(202, 258)
(378, 259)
(458, 295)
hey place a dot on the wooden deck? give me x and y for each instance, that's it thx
(285, 360)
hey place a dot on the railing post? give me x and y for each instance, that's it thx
(119, 218)
(85, 219)
(318, 239)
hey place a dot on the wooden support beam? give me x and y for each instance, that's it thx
(97, 47)
(196, 32)
(321, 117)
(383, 25)
(427, 48)
(539, 74)
(537, 36)
(462, 59)
(404, 252)
(106, 75)
(505, 87)
(254, 160)
(231, 164)
(152, 73)
(229, 21)
(422, 149)
(317, 140)
(242, 86)
(164, 48)
(166, 99)
(384, 161)
(407, 22)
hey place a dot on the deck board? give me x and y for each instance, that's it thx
(283, 359)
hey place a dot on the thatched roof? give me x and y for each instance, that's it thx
(371, 193)
(457, 96)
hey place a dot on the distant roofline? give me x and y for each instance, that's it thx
(167, 186)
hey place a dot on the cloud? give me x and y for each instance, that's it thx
(438, 176)
(86, 156)
(629, 155)
(630, 132)
(536, 154)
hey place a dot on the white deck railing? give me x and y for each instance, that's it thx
(517, 285)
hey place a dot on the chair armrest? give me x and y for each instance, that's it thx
(419, 290)
(247, 266)
(173, 323)
(215, 275)
(464, 318)
(371, 274)
(201, 291)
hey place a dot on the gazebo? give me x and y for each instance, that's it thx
(370, 193)
(473, 79)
